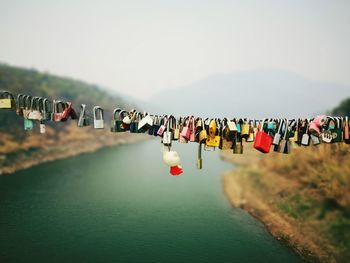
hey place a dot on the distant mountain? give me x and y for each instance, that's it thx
(252, 94)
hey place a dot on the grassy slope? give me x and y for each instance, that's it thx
(308, 190)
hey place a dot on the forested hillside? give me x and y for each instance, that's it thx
(20, 149)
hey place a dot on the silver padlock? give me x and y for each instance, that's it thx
(284, 146)
(315, 139)
(34, 113)
(167, 134)
(45, 109)
(277, 137)
(83, 119)
(98, 117)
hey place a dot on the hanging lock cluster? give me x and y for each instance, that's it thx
(225, 134)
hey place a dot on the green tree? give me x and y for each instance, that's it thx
(343, 109)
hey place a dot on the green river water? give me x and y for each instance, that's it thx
(121, 205)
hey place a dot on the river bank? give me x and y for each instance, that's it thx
(302, 199)
(70, 141)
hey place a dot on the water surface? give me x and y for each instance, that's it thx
(121, 205)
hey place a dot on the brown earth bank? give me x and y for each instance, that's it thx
(303, 198)
(67, 141)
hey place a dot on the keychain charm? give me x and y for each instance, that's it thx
(172, 159)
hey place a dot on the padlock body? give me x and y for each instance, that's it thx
(262, 142)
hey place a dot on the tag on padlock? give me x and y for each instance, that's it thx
(42, 128)
(315, 139)
(327, 136)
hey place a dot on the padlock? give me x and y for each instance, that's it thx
(238, 126)
(27, 103)
(346, 130)
(245, 129)
(277, 137)
(167, 134)
(145, 123)
(251, 136)
(203, 135)
(271, 126)
(295, 138)
(117, 122)
(186, 130)
(163, 125)
(174, 124)
(226, 136)
(263, 140)
(337, 131)
(83, 118)
(192, 129)
(326, 131)
(284, 146)
(156, 125)
(7, 100)
(304, 133)
(69, 112)
(98, 117)
(198, 128)
(304, 136)
(127, 118)
(45, 109)
(34, 113)
(237, 145)
(20, 104)
(134, 125)
(213, 140)
(315, 127)
(124, 116)
(316, 124)
(58, 110)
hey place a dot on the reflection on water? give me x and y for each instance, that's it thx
(121, 205)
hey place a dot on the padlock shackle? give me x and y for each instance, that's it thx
(286, 131)
(171, 122)
(4, 94)
(46, 105)
(97, 109)
(57, 104)
(121, 114)
(20, 100)
(115, 112)
(28, 102)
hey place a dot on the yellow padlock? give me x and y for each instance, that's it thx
(213, 140)
(6, 100)
(295, 137)
(245, 128)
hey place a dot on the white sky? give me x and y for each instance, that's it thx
(141, 47)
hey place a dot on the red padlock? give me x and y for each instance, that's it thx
(263, 140)
(57, 112)
(69, 112)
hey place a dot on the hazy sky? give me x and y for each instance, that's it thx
(141, 47)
